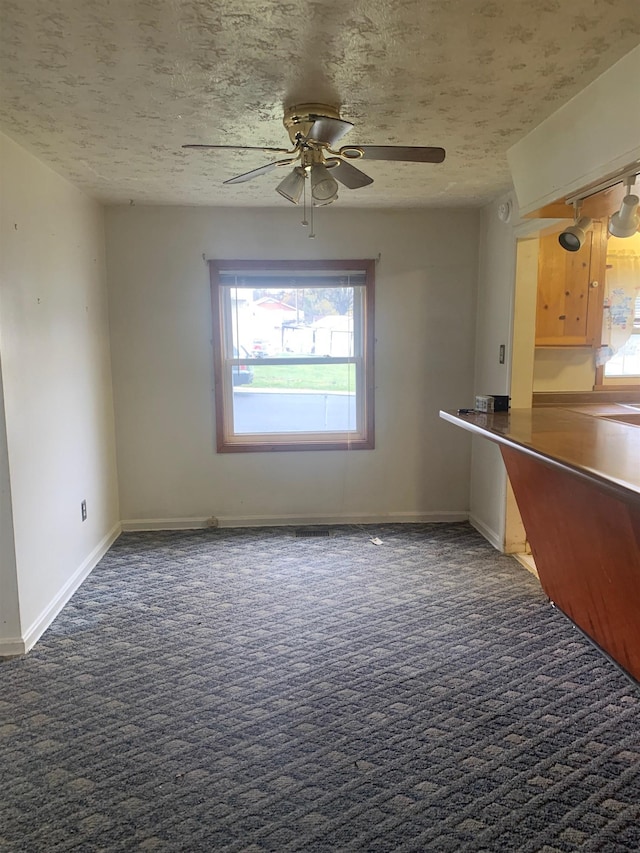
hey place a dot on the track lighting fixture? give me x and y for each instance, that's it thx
(625, 222)
(573, 237)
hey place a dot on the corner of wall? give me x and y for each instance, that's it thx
(58, 444)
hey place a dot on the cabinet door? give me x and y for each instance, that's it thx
(569, 309)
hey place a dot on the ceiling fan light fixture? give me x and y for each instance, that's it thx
(625, 222)
(573, 237)
(323, 203)
(315, 130)
(324, 188)
(292, 186)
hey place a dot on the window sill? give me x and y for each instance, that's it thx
(270, 445)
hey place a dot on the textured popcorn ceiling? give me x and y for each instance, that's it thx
(106, 91)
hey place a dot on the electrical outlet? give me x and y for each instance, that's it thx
(83, 510)
(501, 356)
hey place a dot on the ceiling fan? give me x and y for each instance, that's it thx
(314, 131)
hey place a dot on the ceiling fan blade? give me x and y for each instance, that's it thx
(241, 148)
(408, 153)
(328, 130)
(261, 170)
(350, 176)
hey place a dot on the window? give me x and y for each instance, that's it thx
(293, 354)
(626, 361)
(618, 359)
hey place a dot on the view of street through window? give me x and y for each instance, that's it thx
(275, 325)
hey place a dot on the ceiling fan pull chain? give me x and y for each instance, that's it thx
(304, 201)
(312, 233)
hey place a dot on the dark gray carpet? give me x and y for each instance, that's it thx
(246, 690)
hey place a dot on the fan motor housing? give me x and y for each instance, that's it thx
(300, 118)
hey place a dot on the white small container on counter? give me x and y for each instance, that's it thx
(484, 404)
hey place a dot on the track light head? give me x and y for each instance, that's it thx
(625, 222)
(573, 237)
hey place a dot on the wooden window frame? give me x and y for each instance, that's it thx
(229, 442)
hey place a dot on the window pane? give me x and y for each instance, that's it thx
(310, 377)
(296, 398)
(626, 362)
(269, 322)
(272, 321)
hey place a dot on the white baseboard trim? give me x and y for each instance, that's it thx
(490, 535)
(11, 647)
(343, 518)
(290, 520)
(37, 629)
(133, 524)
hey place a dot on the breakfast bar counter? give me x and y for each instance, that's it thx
(575, 474)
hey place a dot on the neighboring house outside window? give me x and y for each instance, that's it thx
(293, 354)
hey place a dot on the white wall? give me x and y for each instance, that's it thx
(57, 385)
(524, 322)
(163, 378)
(595, 135)
(9, 610)
(508, 256)
(568, 369)
(496, 274)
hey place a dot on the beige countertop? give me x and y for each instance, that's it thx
(583, 439)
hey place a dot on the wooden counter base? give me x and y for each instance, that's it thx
(575, 474)
(586, 544)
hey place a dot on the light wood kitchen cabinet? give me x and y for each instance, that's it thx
(570, 291)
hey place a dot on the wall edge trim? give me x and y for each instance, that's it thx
(197, 523)
(52, 610)
(189, 523)
(12, 647)
(489, 534)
